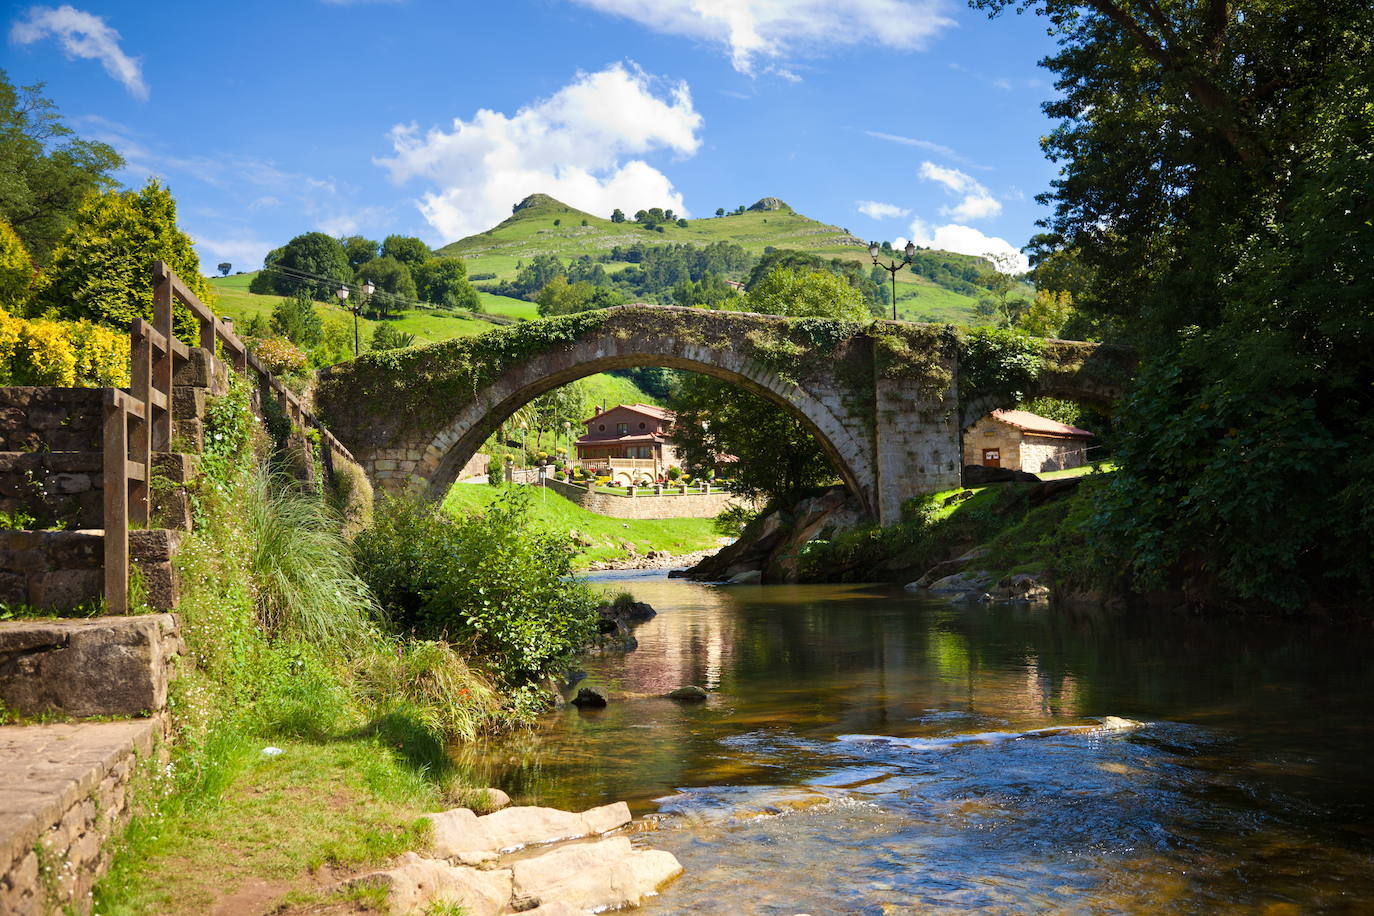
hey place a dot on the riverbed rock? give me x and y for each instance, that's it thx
(461, 835)
(689, 694)
(416, 883)
(748, 577)
(1021, 588)
(605, 875)
(963, 584)
(947, 568)
(587, 698)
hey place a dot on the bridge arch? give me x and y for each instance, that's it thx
(453, 444)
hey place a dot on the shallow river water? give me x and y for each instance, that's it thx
(1249, 789)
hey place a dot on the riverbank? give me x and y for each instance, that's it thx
(599, 539)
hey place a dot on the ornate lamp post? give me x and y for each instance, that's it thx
(368, 289)
(892, 267)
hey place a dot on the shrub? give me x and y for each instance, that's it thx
(731, 520)
(61, 353)
(674, 472)
(16, 269)
(280, 357)
(492, 583)
(431, 683)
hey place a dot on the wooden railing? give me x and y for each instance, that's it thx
(138, 422)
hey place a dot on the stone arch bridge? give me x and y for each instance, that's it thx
(883, 398)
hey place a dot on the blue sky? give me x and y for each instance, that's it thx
(892, 118)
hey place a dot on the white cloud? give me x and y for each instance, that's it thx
(876, 210)
(966, 240)
(82, 34)
(572, 145)
(754, 30)
(976, 201)
(928, 146)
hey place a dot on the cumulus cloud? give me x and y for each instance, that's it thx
(761, 30)
(877, 210)
(82, 34)
(976, 202)
(967, 240)
(573, 145)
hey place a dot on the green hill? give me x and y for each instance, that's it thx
(542, 225)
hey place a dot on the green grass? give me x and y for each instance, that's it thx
(675, 535)
(505, 305)
(353, 803)
(233, 300)
(1105, 466)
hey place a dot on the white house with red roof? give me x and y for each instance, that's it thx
(1024, 441)
(630, 441)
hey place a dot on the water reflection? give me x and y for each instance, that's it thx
(1250, 789)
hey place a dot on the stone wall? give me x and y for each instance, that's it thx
(670, 505)
(62, 569)
(64, 794)
(989, 433)
(1046, 453)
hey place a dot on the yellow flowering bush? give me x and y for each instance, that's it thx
(280, 357)
(61, 353)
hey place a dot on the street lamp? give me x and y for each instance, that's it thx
(892, 267)
(342, 293)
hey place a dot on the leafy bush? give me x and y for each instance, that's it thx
(61, 353)
(731, 520)
(492, 583)
(387, 337)
(280, 357)
(297, 320)
(16, 269)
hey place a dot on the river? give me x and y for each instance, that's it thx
(820, 776)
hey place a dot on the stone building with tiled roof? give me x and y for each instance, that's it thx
(1024, 441)
(630, 441)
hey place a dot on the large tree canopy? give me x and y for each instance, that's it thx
(1216, 205)
(45, 172)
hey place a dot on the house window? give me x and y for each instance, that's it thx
(641, 426)
(623, 429)
(601, 427)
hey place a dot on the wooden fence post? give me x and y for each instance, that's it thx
(141, 435)
(163, 360)
(116, 504)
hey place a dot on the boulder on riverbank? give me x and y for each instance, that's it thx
(468, 864)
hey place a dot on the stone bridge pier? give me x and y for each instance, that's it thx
(882, 399)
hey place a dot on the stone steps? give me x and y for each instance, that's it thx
(59, 570)
(63, 795)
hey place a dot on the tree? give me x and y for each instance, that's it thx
(387, 337)
(720, 211)
(537, 274)
(407, 249)
(1047, 315)
(568, 404)
(712, 292)
(16, 270)
(1215, 160)
(45, 171)
(617, 215)
(224, 267)
(101, 269)
(444, 281)
(1004, 306)
(778, 457)
(312, 261)
(682, 224)
(358, 250)
(297, 320)
(806, 294)
(393, 281)
(263, 282)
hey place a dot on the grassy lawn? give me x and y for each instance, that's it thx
(675, 535)
(353, 803)
(1105, 466)
(505, 305)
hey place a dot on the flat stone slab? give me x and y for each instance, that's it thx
(99, 666)
(45, 769)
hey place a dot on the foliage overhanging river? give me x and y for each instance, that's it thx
(1249, 789)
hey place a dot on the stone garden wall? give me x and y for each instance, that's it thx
(645, 505)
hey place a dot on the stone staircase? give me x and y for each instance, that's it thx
(52, 489)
